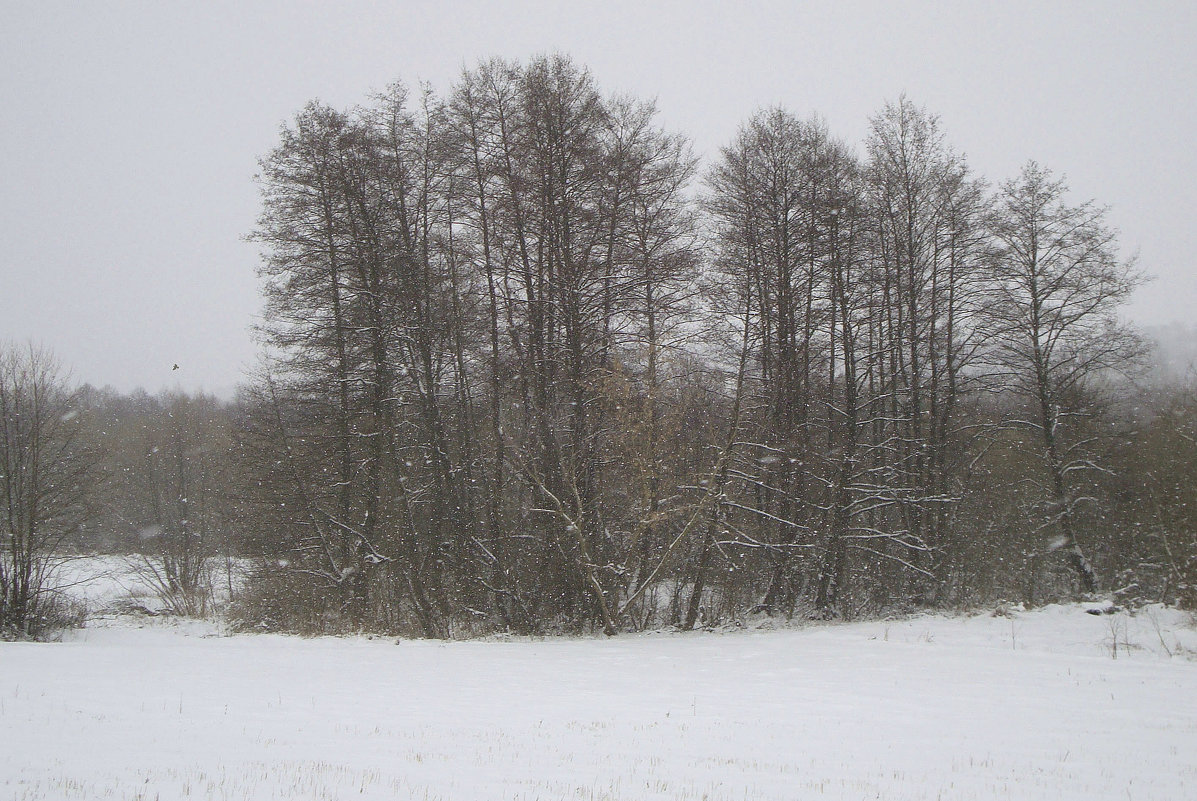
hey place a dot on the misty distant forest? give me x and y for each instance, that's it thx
(535, 368)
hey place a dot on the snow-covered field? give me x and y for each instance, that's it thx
(1032, 706)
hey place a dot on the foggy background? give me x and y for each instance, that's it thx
(130, 132)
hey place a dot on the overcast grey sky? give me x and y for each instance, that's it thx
(130, 132)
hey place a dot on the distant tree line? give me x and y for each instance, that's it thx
(533, 370)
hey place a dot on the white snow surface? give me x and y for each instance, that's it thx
(1027, 705)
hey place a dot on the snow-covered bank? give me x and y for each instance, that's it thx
(109, 583)
(1032, 706)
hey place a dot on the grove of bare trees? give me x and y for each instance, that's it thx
(532, 368)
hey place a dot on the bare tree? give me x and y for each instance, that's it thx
(1056, 290)
(927, 250)
(46, 480)
(319, 312)
(175, 492)
(770, 201)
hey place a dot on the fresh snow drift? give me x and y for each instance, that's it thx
(1031, 705)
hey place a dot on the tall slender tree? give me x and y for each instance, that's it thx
(1058, 284)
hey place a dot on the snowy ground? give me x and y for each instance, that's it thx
(1033, 706)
